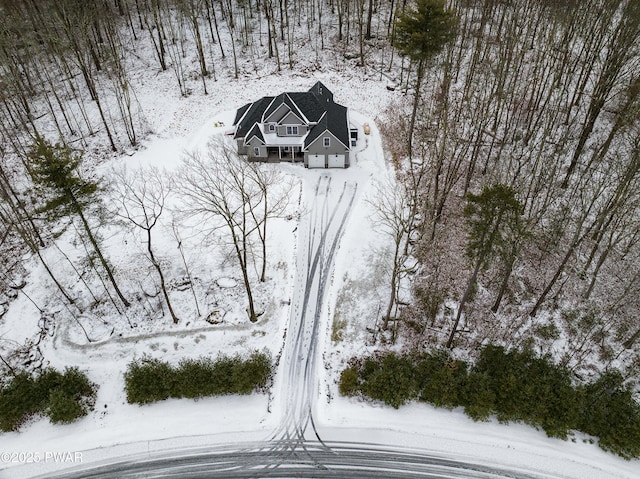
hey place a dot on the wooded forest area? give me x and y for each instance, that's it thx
(516, 146)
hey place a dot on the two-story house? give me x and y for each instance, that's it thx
(296, 126)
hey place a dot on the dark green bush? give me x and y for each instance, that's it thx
(64, 397)
(529, 389)
(63, 409)
(148, 380)
(224, 374)
(610, 413)
(48, 380)
(510, 385)
(442, 380)
(19, 400)
(75, 384)
(479, 397)
(194, 379)
(349, 381)
(390, 378)
(253, 373)
(71, 395)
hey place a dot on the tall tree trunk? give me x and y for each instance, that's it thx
(393, 296)
(463, 301)
(98, 251)
(416, 102)
(163, 285)
(367, 35)
(505, 283)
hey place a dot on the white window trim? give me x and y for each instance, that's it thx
(272, 127)
(292, 130)
(256, 151)
(326, 142)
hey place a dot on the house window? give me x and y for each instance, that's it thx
(326, 141)
(285, 148)
(272, 127)
(256, 151)
(292, 130)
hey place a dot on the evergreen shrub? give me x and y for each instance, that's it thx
(349, 381)
(63, 397)
(193, 379)
(530, 389)
(63, 409)
(151, 380)
(610, 413)
(253, 373)
(509, 385)
(19, 401)
(148, 380)
(442, 380)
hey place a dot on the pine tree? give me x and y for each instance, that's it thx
(492, 217)
(54, 171)
(421, 34)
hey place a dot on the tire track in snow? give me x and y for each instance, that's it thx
(327, 219)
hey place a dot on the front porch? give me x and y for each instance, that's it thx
(284, 153)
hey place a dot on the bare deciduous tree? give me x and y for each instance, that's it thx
(142, 195)
(393, 216)
(219, 187)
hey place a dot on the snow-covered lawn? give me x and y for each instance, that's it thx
(357, 291)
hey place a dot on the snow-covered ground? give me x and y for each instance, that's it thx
(356, 291)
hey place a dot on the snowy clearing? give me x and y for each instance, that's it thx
(356, 291)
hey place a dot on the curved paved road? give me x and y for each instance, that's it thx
(309, 459)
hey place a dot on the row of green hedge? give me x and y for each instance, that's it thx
(150, 380)
(63, 397)
(510, 385)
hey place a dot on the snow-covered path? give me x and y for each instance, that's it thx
(320, 231)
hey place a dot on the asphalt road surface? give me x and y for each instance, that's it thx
(308, 459)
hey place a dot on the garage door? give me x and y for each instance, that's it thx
(336, 161)
(316, 161)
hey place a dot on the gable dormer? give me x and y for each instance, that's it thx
(292, 125)
(291, 119)
(321, 92)
(275, 113)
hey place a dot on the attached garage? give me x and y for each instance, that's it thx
(316, 161)
(337, 161)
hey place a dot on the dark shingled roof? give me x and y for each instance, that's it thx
(241, 111)
(309, 105)
(316, 131)
(316, 105)
(334, 121)
(255, 131)
(279, 100)
(337, 122)
(321, 92)
(252, 116)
